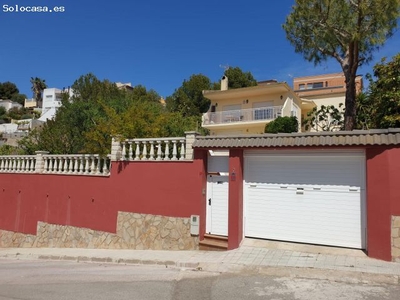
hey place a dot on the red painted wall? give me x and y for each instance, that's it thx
(160, 188)
(173, 189)
(383, 199)
(394, 174)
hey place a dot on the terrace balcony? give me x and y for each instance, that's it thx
(237, 118)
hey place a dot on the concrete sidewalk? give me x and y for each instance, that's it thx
(281, 259)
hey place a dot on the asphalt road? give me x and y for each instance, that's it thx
(21, 279)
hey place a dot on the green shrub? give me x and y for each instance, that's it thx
(282, 125)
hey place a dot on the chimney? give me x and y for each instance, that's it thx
(224, 83)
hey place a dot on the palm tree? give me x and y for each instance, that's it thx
(38, 85)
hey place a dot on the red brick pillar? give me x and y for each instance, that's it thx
(378, 204)
(235, 210)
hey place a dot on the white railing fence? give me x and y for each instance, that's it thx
(81, 164)
(151, 149)
(154, 149)
(43, 163)
(17, 163)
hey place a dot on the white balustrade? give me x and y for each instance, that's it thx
(157, 149)
(75, 164)
(17, 163)
(146, 149)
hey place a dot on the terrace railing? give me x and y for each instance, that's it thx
(242, 115)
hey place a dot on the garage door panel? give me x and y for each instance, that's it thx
(321, 209)
(341, 204)
(311, 171)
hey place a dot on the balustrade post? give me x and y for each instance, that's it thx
(30, 165)
(81, 164)
(159, 150)
(137, 150)
(40, 161)
(166, 154)
(151, 150)
(55, 165)
(174, 150)
(116, 149)
(93, 164)
(106, 169)
(86, 158)
(65, 168)
(7, 164)
(24, 164)
(130, 152)
(190, 138)
(144, 154)
(51, 165)
(182, 153)
(17, 164)
(76, 163)
(123, 157)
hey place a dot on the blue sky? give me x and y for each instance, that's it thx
(154, 43)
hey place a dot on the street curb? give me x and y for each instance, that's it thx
(167, 263)
(280, 271)
(306, 273)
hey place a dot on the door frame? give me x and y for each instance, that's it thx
(217, 166)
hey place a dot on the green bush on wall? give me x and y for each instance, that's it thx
(282, 125)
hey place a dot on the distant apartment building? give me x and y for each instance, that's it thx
(30, 103)
(124, 86)
(326, 89)
(52, 100)
(8, 104)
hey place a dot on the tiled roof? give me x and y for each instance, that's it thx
(339, 138)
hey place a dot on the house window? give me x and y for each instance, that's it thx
(302, 86)
(314, 85)
(265, 113)
(318, 85)
(49, 96)
(263, 110)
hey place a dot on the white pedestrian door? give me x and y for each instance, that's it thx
(217, 195)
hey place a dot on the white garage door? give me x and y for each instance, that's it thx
(313, 197)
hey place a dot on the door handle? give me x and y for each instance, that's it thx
(209, 201)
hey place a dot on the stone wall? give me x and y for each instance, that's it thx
(396, 238)
(134, 231)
